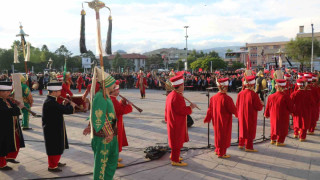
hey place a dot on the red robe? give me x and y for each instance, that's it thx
(301, 106)
(289, 88)
(278, 108)
(121, 109)
(220, 110)
(142, 86)
(96, 90)
(65, 90)
(315, 108)
(176, 113)
(80, 81)
(248, 104)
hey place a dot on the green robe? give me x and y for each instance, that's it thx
(273, 90)
(25, 113)
(105, 154)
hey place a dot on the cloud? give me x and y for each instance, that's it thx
(147, 25)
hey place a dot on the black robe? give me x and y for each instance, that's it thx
(7, 127)
(53, 125)
(41, 84)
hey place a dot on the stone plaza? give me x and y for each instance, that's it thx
(296, 160)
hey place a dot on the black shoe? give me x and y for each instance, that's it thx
(6, 168)
(54, 170)
(26, 129)
(62, 164)
(13, 161)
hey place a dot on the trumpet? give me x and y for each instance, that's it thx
(137, 108)
(31, 112)
(70, 101)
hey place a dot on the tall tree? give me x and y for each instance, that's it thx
(154, 61)
(300, 50)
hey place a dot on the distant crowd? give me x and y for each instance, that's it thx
(197, 81)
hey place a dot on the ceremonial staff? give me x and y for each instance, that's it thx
(97, 5)
(22, 34)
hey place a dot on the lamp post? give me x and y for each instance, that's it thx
(312, 49)
(186, 62)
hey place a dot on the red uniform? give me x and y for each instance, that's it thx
(97, 89)
(121, 108)
(301, 115)
(176, 113)
(80, 81)
(220, 111)
(289, 88)
(278, 108)
(248, 105)
(64, 91)
(142, 84)
(315, 108)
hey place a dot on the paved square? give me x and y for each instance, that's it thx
(297, 160)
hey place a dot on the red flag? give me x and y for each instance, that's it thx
(200, 69)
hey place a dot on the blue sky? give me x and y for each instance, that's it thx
(145, 25)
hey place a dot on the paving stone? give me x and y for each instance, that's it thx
(297, 160)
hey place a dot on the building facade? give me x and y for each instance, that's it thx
(264, 54)
(138, 60)
(236, 56)
(171, 55)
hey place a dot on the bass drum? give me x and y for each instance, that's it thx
(35, 86)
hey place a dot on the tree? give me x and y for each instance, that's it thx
(205, 63)
(154, 61)
(129, 64)
(300, 50)
(237, 65)
(118, 62)
(196, 64)
(213, 54)
(229, 50)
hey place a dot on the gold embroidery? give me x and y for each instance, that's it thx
(26, 91)
(104, 161)
(98, 114)
(112, 115)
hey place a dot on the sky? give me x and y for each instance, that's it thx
(145, 25)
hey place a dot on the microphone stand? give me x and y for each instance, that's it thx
(208, 95)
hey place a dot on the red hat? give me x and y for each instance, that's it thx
(223, 82)
(314, 77)
(60, 77)
(300, 75)
(308, 78)
(117, 84)
(300, 82)
(307, 74)
(281, 82)
(287, 76)
(266, 71)
(250, 80)
(177, 80)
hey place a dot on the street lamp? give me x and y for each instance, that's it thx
(312, 49)
(186, 62)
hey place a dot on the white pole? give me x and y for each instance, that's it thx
(312, 50)
(186, 65)
(211, 66)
